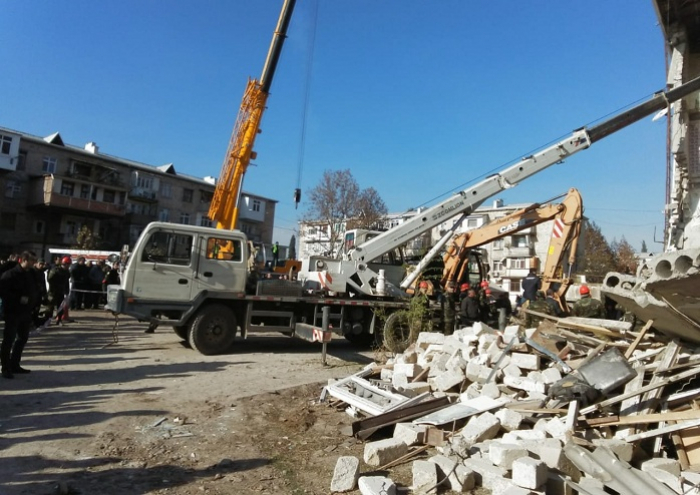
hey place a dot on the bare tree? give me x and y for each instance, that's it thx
(338, 199)
(625, 259)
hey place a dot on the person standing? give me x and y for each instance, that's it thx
(469, 309)
(553, 304)
(275, 254)
(80, 278)
(587, 307)
(531, 284)
(59, 288)
(448, 310)
(20, 292)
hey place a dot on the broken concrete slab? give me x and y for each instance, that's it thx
(345, 474)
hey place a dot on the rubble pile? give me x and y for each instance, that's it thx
(576, 406)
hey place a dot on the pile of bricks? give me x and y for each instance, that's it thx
(549, 410)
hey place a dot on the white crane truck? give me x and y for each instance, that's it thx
(198, 279)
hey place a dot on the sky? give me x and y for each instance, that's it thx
(417, 99)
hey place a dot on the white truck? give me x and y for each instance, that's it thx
(198, 279)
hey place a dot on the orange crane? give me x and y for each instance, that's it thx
(567, 217)
(224, 205)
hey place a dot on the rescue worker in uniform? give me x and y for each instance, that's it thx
(587, 307)
(469, 309)
(531, 284)
(540, 305)
(553, 303)
(448, 310)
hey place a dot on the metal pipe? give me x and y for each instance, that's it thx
(273, 54)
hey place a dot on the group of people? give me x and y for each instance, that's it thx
(34, 293)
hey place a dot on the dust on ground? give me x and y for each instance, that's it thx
(122, 412)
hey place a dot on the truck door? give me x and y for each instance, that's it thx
(165, 270)
(224, 265)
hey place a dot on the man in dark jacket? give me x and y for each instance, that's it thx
(80, 277)
(20, 293)
(469, 309)
(531, 284)
(59, 288)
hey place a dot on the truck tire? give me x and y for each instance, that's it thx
(213, 330)
(181, 331)
(398, 334)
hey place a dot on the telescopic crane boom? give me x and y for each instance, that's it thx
(354, 275)
(224, 205)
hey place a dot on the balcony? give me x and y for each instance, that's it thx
(46, 191)
(514, 272)
(518, 252)
(142, 194)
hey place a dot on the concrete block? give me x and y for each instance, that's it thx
(525, 361)
(504, 454)
(409, 356)
(529, 473)
(448, 380)
(510, 332)
(499, 486)
(459, 478)
(482, 427)
(427, 338)
(510, 420)
(591, 484)
(666, 471)
(556, 427)
(456, 362)
(535, 376)
(399, 380)
(480, 328)
(473, 370)
(485, 373)
(623, 450)
(486, 474)
(521, 383)
(473, 391)
(551, 452)
(502, 362)
(438, 364)
(376, 485)
(382, 451)
(409, 369)
(516, 490)
(451, 344)
(414, 388)
(485, 341)
(512, 370)
(551, 375)
(556, 485)
(409, 433)
(385, 374)
(425, 476)
(541, 424)
(515, 435)
(491, 390)
(345, 474)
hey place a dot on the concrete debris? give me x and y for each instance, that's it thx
(546, 410)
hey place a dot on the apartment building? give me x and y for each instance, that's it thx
(53, 189)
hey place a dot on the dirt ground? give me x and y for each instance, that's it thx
(147, 415)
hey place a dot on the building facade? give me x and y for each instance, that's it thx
(52, 190)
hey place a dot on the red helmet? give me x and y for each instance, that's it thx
(487, 292)
(464, 287)
(484, 283)
(66, 260)
(583, 290)
(423, 285)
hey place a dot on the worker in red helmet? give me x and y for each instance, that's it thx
(59, 288)
(588, 307)
(464, 287)
(484, 283)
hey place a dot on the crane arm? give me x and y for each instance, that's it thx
(566, 215)
(224, 205)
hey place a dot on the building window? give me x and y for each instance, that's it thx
(187, 195)
(205, 197)
(22, 161)
(67, 188)
(108, 196)
(71, 227)
(12, 189)
(5, 144)
(8, 220)
(498, 266)
(256, 205)
(85, 191)
(472, 223)
(166, 191)
(515, 285)
(520, 263)
(519, 241)
(498, 244)
(164, 215)
(144, 182)
(49, 166)
(184, 218)
(205, 222)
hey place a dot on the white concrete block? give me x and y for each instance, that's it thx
(409, 433)
(473, 370)
(456, 362)
(399, 380)
(376, 485)
(449, 379)
(556, 427)
(525, 361)
(459, 478)
(414, 388)
(485, 373)
(551, 375)
(409, 369)
(438, 364)
(485, 341)
(666, 471)
(503, 454)
(521, 383)
(409, 356)
(529, 473)
(510, 420)
(480, 328)
(382, 451)
(482, 427)
(512, 370)
(516, 490)
(491, 390)
(425, 476)
(487, 475)
(385, 374)
(345, 474)
(427, 338)
(499, 486)
(516, 435)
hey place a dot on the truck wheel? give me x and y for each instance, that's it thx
(181, 331)
(398, 333)
(213, 330)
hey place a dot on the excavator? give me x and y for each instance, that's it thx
(567, 217)
(223, 210)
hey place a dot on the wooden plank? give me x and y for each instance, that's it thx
(365, 427)
(639, 338)
(662, 431)
(690, 439)
(644, 418)
(630, 406)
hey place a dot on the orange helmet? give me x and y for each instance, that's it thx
(484, 283)
(583, 290)
(423, 285)
(464, 287)
(66, 260)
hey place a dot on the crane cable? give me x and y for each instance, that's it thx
(307, 91)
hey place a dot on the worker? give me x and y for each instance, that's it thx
(504, 309)
(469, 309)
(540, 305)
(531, 284)
(587, 307)
(448, 309)
(275, 254)
(553, 303)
